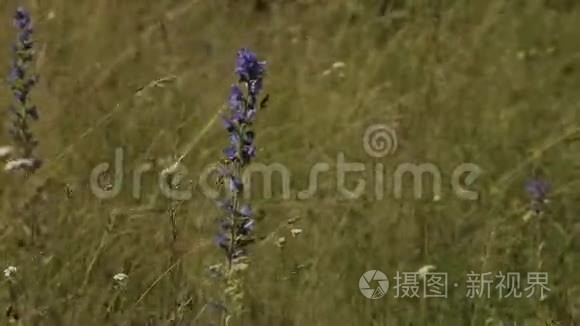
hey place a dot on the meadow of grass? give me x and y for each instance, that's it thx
(491, 82)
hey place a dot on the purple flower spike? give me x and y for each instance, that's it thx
(238, 223)
(248, 67)
(222, 241)
(228, 124)
(21, 82)
(22, 19)
(236, 98)
(235, 184)
(230, 153)
(245, 211)
(537, 189)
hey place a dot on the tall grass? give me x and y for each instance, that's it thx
(491, 82)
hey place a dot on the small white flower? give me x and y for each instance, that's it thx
(338, 65)
(423, 271)
(10, 271)
(295, 232)
(120, 277)
(281, 242)
(21, 163)
(5, 151)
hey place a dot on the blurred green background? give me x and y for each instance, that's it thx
(491, 82)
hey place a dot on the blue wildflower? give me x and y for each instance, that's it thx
(236, 98)
(238, 223)
(235, 184)
(228, 124)
(245, 210)
(249, 68)
(21, 82)
(22, 19)
(230, 153)
(222, 241)
(538, 191)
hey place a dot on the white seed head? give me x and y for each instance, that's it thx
(10, 271)
(21, 164)
(338, 65)
(295, 232)
(120, 277)
(5, 151)
(281, 242)
(423, 271)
